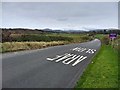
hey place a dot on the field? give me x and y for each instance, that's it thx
(17, 42)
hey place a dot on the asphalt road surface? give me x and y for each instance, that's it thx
(52, 67)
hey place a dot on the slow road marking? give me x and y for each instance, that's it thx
(69, 58)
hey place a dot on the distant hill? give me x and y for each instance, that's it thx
(47, 30)
(22, 31)
(37, 31)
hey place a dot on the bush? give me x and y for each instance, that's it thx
(45, 38)
(105, 40)
(6, 36)
(85, 38)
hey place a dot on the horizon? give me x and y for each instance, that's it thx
(62, 29)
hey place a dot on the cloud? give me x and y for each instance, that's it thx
(62, 15)
(62, 19)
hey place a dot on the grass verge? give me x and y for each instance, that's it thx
(17, 46)
(119, 62)
(102, 72)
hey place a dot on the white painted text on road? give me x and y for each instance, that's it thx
(80, 49)
(68, 58)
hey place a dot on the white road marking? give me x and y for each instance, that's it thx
(68, 58)
(72, 59)
(79, 60)
(80, 49)
(57, 56)
(91, 51)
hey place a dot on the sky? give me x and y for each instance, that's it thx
(60, 15)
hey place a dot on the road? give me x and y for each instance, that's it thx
(52, 67)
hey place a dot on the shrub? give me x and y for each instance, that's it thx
(85, 38)
(37, 37)
(105, 40)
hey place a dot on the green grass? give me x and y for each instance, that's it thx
(119, 61)
(100, 36)
(102, 72)
(48, 37)
(41, 37)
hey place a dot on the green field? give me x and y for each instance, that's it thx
(102, 72)
(48, 37)
(100, 36)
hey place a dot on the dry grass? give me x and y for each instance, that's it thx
(15, 46)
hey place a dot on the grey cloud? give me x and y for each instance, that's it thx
(40, 14)
(62, 19)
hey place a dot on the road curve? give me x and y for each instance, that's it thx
(53, 67)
